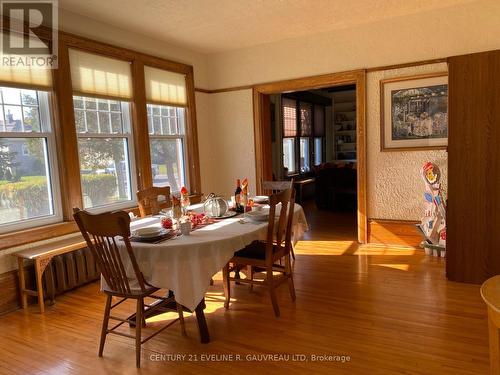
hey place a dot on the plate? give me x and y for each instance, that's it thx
(227, 215)
(166, 234)
(148, 232)
(261, 199)
(261, 215)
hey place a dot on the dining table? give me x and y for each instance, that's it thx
(185, 264)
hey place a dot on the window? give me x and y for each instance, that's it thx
(289, 154)
(305, 119)
(102, 89)
(104, 148)
(167, 143)
(303, 135)
(167, 101)
(318, 151)
(305, 164)
(319, 133)
(28, 173)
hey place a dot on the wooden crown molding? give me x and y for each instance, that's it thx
(368, 70)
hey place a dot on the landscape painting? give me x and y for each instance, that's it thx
(414, 113)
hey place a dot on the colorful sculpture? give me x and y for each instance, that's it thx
(433, 225)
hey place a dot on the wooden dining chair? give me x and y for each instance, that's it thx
(102, 233)
(266, 254)
(149, 200)
(273, 187)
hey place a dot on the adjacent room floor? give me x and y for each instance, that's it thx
(389, 309)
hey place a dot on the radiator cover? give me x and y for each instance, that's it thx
(69, 271)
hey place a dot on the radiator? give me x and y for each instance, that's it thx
(69, 271)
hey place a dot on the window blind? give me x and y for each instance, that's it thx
(289, 117)
(305, 119)
(14, 74)
(96, 75)
(164, 87)
(319, 121)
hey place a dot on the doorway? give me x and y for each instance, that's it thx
(293, 153)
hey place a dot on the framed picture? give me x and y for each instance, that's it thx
(414, 112)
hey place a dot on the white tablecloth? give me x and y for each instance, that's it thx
(186, 264)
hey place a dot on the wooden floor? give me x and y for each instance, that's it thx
(389, 309)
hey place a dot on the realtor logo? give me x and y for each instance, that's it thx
(29, 36)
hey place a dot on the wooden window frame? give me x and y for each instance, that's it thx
(66, 138)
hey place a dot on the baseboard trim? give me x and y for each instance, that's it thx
(393, 232)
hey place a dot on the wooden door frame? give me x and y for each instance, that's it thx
(262, 137)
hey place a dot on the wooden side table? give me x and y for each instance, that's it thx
(299, 186)
(490, 291)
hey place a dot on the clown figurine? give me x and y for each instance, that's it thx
(433, 223)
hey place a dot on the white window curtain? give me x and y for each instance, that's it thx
(14, 74)
(100, 76)
(164, 87)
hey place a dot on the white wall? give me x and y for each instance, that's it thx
(226, 141)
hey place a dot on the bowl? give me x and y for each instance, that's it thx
(261, 199)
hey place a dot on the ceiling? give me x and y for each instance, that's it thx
(210, 26)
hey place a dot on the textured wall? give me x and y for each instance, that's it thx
(394, 185)
(226, 140)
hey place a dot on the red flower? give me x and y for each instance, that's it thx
(166, 223)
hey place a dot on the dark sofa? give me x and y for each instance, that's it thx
(336, 187)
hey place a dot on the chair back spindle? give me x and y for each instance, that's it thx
(148, 200)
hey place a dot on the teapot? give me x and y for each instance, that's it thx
(215, 206)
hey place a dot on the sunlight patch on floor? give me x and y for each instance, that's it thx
(401, 267)
(165, 317)
(213, 300)
(348, 248)
(324, 247)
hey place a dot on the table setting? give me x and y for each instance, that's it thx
(181, 248)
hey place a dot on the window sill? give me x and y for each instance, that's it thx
(46, 232)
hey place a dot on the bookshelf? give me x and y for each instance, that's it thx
(344, 128)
